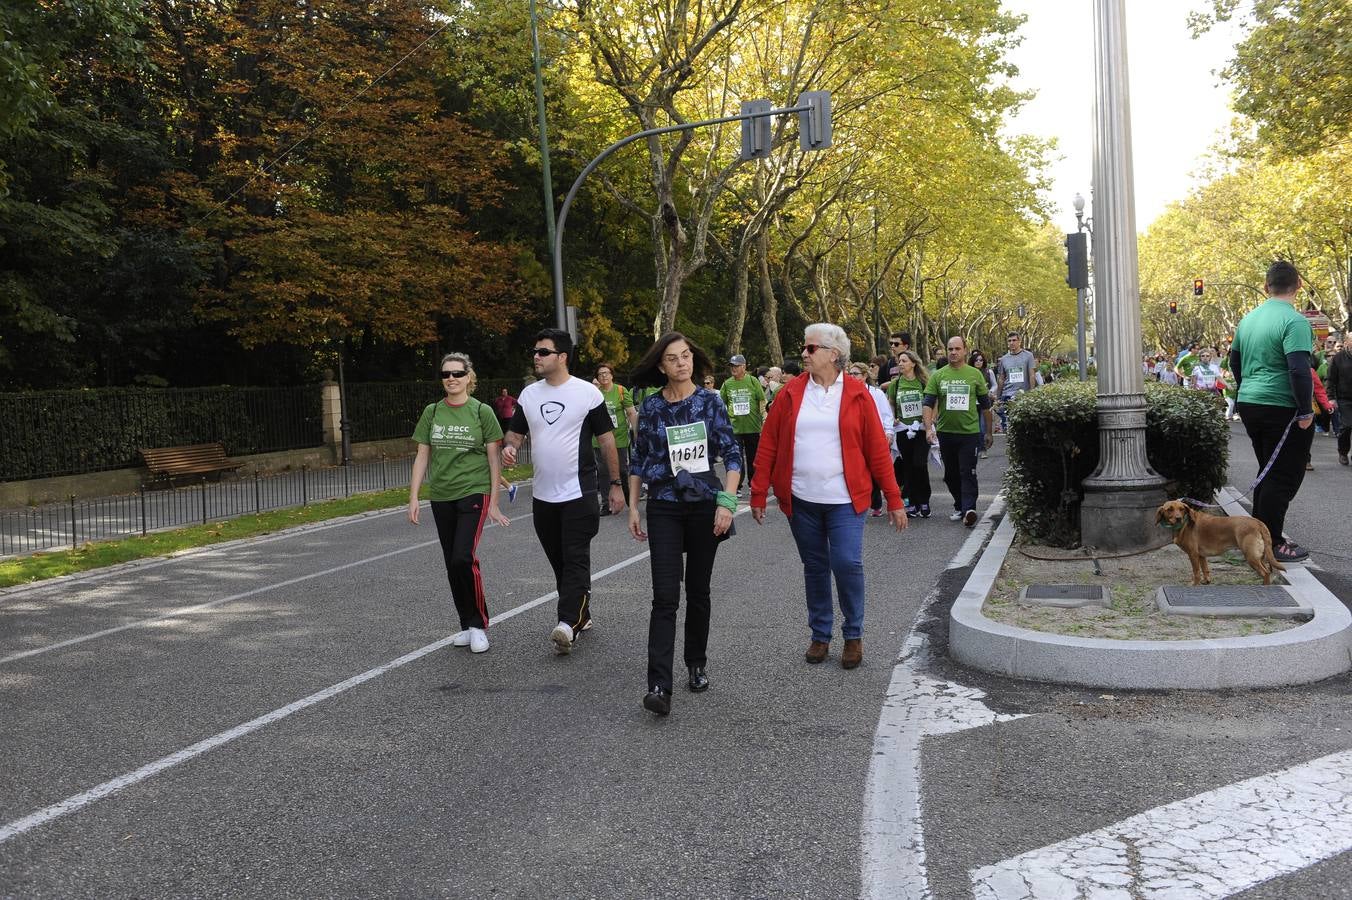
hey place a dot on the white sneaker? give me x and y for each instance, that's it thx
(478, 641)
(562, 636)
(956, 517)
(461, 638)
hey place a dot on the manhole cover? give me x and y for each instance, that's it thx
(1230, 600)
(1065, 595)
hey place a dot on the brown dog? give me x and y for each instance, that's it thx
(1201, 534)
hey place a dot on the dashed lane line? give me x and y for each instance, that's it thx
(1208, 846)
(79, 801)
(212, 604)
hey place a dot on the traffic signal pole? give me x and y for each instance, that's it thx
(813, 109)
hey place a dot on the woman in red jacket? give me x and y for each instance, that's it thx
(821, 451)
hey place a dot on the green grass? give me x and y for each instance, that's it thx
(96, 555)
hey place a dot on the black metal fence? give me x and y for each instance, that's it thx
(77, 521)
(51, 433)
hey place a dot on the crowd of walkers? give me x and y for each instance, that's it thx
(835, 441)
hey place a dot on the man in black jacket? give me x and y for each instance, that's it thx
(1339, 386)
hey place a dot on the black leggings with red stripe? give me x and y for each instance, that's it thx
(459, 525)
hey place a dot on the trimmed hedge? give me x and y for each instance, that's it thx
(67, 432)
(1054, 445)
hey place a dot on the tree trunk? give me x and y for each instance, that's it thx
(769, 305)
(741, 286)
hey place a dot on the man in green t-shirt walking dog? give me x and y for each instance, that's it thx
(745, 399)
(954, 398)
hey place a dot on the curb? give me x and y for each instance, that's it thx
(1319, 649)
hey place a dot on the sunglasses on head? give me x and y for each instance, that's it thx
(447, 373)
(545, 351)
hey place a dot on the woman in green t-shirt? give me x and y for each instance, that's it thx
(459, 440)
(907, 393)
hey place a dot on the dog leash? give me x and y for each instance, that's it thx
(1191, 501)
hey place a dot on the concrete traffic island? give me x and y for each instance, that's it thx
(1318, 649)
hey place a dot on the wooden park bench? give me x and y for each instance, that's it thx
(171, 463)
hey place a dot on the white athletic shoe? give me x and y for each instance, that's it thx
(956, 517)
(461, 638)
(478, 641)
(562, 636)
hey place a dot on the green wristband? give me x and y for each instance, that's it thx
(727, 501)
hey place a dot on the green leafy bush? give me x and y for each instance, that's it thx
(1054, 445)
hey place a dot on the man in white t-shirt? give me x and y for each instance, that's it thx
(562, 414)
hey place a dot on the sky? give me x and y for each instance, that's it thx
(1179, 106)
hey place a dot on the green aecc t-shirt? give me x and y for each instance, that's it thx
(1264, 336)
(617, 401)
(908, 399)
(744, 397)
(458, 435)
(959, 390)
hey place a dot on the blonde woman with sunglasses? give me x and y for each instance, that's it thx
(458, 441)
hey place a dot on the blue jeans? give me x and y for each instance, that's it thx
(830, 538)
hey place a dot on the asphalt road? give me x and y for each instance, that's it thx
(348, 754)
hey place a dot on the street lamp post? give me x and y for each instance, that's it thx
(1121, 496)
(545, 174)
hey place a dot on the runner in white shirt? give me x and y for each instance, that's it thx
(1206, 374)
(562, 414)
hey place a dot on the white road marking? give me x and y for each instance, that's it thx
(1209, 846)
(211, 604)
(94, 794)
(141, 565)
(892, 853)
(972, 546)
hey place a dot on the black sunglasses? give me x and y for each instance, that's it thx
(809, 349)
(447, 373)
(895, 343)
(545, 351)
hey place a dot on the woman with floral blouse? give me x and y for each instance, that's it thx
(682, 429)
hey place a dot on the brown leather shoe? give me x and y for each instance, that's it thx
(816, 651)
(854, 653)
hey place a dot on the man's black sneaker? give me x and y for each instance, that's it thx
(657, 701)
(1290, 551)
(1342, 459)
(924, 511)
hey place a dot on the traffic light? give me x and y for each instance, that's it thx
(1197, 287)
(1077, 260)
(1173, 307)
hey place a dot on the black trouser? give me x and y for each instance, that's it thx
(565, 531)
(1278, 488)
(749, 443)
(677, 530)
(959, 453)
(459, 524)
(604, 476)
(1345, 432)
(912, 468)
